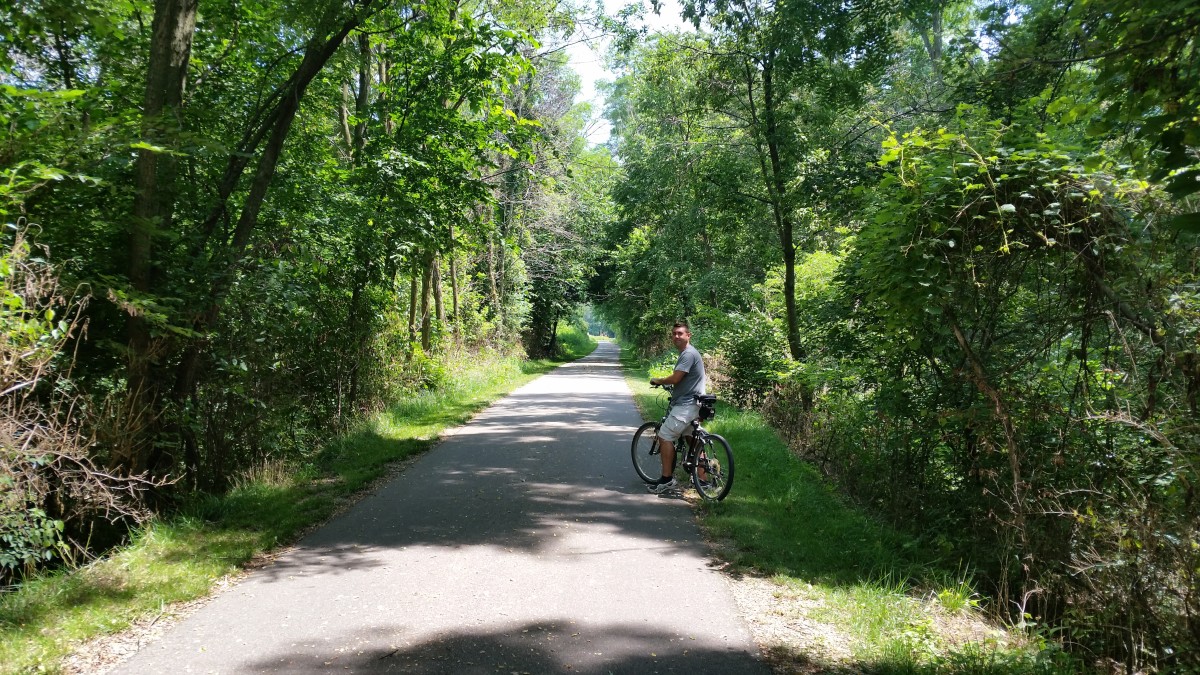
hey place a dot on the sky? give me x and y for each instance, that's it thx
(587, 59)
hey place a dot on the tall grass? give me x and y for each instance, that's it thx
(871, 582)
(181, 557)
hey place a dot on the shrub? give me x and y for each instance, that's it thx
(752, 353)
(46, 474)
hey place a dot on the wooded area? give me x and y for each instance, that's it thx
(234, 228)
(947, 247)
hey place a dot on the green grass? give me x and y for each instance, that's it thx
(180, 558)
(873, 585)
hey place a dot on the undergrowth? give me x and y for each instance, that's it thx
(211, 537)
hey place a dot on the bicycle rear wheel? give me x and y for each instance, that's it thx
(713, 475)
(647, 459)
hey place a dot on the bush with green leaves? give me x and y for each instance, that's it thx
(28, 537)
(1038, 342)
(753, 349)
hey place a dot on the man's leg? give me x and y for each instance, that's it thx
(667, 450)
(667, 482)
(675, 424)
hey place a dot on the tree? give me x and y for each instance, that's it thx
(251, 300)
(778, 54)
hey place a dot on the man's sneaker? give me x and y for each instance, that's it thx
(660, 487)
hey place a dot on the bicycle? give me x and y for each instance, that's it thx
(707, 457)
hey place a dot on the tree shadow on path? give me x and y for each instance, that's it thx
(540, 647)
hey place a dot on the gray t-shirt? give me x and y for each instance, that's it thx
(692, 384)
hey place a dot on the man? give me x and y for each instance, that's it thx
(688, 380)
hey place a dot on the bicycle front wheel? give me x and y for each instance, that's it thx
(713, 475)
(647, 458)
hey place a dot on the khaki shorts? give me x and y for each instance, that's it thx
(679, 421)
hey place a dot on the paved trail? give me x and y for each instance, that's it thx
(522, 543)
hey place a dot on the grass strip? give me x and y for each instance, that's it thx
(182, 557)
(895, 607)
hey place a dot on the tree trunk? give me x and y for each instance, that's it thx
(978, 376)
(493, 286)
(453, 284)
(315, 58)
(385, 75)
(439, 305)
(710, 265)
(932, 37)
(359, 339)
(412, 306)
(344, 117)
(355, 357)
(771, 168)
(426, 288)
(154, 203)
(67, 69)
(277, 113)
(777, 187)
(364, 93)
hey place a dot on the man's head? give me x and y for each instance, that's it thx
(681, 335)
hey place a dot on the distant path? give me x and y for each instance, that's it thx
(522, 543)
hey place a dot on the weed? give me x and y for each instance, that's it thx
(268, 472)
(960, 597)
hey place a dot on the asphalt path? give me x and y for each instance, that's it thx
(522, 543)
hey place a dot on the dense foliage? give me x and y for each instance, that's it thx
(280, 215)
(949, 249)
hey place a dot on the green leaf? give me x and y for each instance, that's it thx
(143, 145)
(1184, 184)
(1186, 222)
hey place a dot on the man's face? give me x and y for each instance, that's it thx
(680, 336)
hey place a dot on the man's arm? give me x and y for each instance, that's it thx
(672, 379)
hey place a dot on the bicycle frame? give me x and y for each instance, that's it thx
(707, 457)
